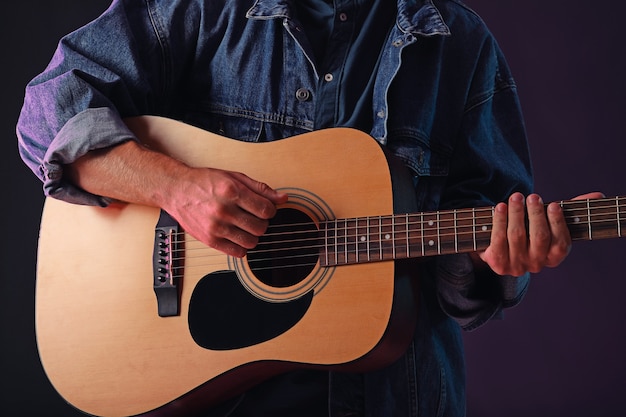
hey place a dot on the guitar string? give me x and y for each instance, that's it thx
(441, 231)
(350, 256)
(351, 249)
(433, 217)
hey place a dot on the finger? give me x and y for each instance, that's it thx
(238, 226)
(589, 196)
(229, 248)
(227, 236)
(262, 199)
(561, 243)
(539, 233)
(517, 234)
(497, 254)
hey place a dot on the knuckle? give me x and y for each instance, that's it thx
(263, 188)
(498, 238)
(542, 237)
(517, 233)
(250, 242)
(261, 227)
(561, 248)
(217, 230)
(228, 190)
(267, 211)
(212, 242)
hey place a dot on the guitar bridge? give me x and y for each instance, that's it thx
(166, 265)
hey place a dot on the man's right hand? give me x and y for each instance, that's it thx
(226, 210)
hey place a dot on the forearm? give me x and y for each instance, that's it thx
(127, 172)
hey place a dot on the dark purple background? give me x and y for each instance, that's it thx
(560, 353)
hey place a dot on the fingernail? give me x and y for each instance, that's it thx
(554, 207)
(517, 198)
(534, 199)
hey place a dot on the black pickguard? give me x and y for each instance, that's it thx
(223, 315)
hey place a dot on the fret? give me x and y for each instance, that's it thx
(438, 228)
(368, 238)
(430, 234)
(373, 235)
(474, 244)
(415, 229)
(577, 218)
(446, 232)
(349, 252)
(619, 219)
(465, 231)
(393, 237)
(589, 222)
(401, 236)
(328, 246)
(359, 239)
(456, 235)
(337, 242)
(483, 222)
(380, 238)
(407, 222)
(386, 238)
(422, 231)
(347, 240)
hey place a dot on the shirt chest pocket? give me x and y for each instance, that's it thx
(428, 164)
(419, 154)
(242, 128)
(248, 126)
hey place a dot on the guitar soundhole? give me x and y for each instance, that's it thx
(288, 251)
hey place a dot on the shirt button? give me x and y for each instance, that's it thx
(328, 77)
(303, 94)
(343, 17)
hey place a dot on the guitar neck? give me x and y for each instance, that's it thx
(400, 236)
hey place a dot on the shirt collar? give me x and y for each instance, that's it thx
(419, 17)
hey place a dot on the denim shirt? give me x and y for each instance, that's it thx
(444, 102)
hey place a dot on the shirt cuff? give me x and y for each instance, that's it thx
(474, 297)
(89, 130)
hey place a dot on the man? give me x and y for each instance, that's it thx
(424, 78)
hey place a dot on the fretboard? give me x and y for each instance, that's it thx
(414, 235)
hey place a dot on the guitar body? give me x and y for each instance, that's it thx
(107, 351)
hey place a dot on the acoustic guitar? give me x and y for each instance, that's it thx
(136, 317)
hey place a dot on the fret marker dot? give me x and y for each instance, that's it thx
(431, 243)
(577, 220)
(387, 236)
(363, 238)
(485, 228)
(431, 223)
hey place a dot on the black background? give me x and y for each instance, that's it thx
(560, 353)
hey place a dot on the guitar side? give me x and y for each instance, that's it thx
(106, 350)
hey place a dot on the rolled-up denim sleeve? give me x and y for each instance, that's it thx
(89, 130)
(473, 297)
